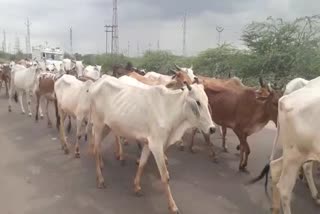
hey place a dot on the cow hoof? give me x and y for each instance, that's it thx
(238, 147)
(66, 151)
(225, 150)
(317, 199)
(30, 114)
(181, 148)
(192, 151)
(122, 162)
(139, 193)
(77, 155)
(215, 160)
(244, 170)
(101, 185)
(9, 109)
(174, 211)
(138, 162)
(41, 117)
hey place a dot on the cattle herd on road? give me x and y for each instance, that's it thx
(155, 110)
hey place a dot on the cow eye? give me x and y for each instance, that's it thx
(198, 103)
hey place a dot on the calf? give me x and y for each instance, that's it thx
(297, 132)
(158, 117)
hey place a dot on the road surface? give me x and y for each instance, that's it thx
(36, 177)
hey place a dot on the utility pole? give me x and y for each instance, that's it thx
(219, 30)
(184, 30)
(28, 43)
(158, 44)
(4, 44)
(17, 45)
(109, 29)
(71, 49)
(115, 32)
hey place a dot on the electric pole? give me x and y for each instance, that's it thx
(17, 45)
(4, 44)
(71, 50)
(115, 32)
(109, 29)
(184, 30)
(28, 43)
(158, 44)
(219, 30)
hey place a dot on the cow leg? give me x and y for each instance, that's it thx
(100, 131)
(212, 152)
(307, 168)
(242, 148)
(64, 143)
(119, 150)
(194, 131)
(247, 152)
(10, 99)
(37, 106)
(29, 103)
(158, 153)
(69, 125)
(21, 102)
(143, 160)
(224, 133)
(47, 114)
(77, 151)
(275, 169)
(291, 165)
(6, 85)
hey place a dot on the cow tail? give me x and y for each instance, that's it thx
(15, 96)
(57, 112)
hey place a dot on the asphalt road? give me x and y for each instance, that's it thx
(36, 177)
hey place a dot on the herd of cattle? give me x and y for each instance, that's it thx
(155, 111)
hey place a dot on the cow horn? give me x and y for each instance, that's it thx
(177, 67)
(188, 86)
(173, 71)
(261, 82)
(191, 67)
(229, 75)
(270, 88)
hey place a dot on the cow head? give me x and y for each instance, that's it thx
(197, 108)
(189, 71)
(269, 96)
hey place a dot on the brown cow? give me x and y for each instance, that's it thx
(245, 110)
(5, 76)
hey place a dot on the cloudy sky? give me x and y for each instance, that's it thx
(141, 21)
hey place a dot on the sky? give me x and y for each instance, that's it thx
(141, 22)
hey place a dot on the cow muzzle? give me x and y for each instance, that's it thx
(212, 130)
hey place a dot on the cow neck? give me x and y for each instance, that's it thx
(263, 113)
(34, 72)
(180, 122)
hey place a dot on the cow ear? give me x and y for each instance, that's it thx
(194, 107)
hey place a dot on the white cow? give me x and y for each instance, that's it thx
(79, 68)
(22, 81)
(298, 135)
(73, 100)
(294, 85)
(157, 116)
(93, 72)
(67, 65)
(161, 78)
